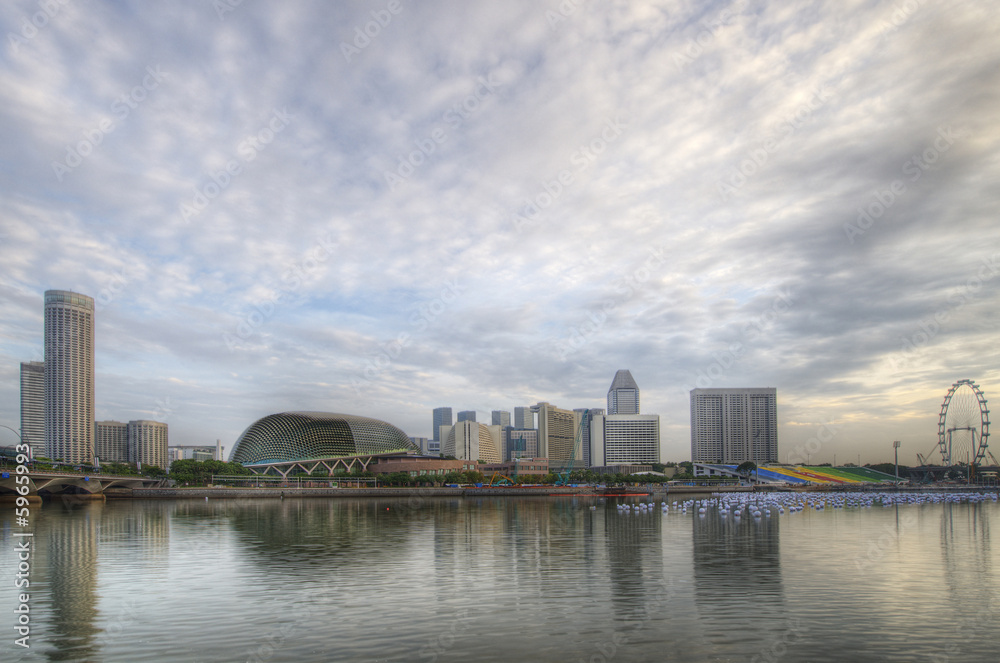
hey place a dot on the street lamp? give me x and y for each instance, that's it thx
(895, 447)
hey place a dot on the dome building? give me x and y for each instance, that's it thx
(298, 436)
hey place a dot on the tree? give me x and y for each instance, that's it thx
(746, 468)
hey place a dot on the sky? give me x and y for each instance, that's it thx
(380, 208)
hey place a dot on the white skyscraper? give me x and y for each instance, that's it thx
(734, 425)
(33, 406)
(623, 396)
(111, 441)
(625, 439)
(69, 376)
(147, 443)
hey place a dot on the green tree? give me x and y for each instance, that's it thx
(746, 468)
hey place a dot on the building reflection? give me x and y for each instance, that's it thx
(737, 573)
(638, 586)
(68, 537)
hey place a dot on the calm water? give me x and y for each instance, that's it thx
(530, 579)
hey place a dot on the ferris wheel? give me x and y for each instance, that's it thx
(963, 425)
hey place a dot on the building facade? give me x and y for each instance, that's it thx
(557, 436)
(623, 395)
(442, 417)
(520, 443)
(111, 441)
(33, 406)
(500, 418)
(734, 425)
(587, 422)
(470, 440)
(625, 439)
(524, 417)
(69, 376)
(466, 415)
(147, 443)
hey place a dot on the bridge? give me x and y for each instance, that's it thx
(44, 484)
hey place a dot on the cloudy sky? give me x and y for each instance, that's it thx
(384, 207)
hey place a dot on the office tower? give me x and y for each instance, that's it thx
(521, 443)
(524, 418)
(585, 441)
(623, 396)
(111, 441)
(442, 417)
(625, 439)
(69, 376)
(466, 415)
(734, 425)
(557, 436)
(422, 443)
(33, 406)
(469, 440)
(501, 418)
(147, 443)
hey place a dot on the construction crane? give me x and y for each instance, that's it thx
(563, 477)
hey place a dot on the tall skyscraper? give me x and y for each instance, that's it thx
(501, 418)
(734, 425)
(33, 406)
(623, 396)
(147, 443)
(69, 376)
(442, 417)
(467, 415)
(524, 418)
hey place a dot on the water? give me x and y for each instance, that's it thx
(529, 579)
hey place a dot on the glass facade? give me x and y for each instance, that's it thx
(307, 435)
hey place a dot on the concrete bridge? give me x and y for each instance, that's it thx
(44, 484)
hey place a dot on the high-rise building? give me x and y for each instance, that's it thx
(33, 406)
(111, 441)
(69, 376)
(469, 440)
(501, 418)
(422, 443)
(623, 396)
(586, 422)
(524, 418)
(625, 439)
(442, 417)
(734, 425)
(521, 443)
(466, 415)
(557, 436)
(147, 443)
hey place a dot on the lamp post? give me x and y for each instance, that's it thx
(895, 448)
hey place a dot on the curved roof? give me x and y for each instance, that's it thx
(307, 435)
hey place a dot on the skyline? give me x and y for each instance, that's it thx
(485, 207)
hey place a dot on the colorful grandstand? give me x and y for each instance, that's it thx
(803, 475)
